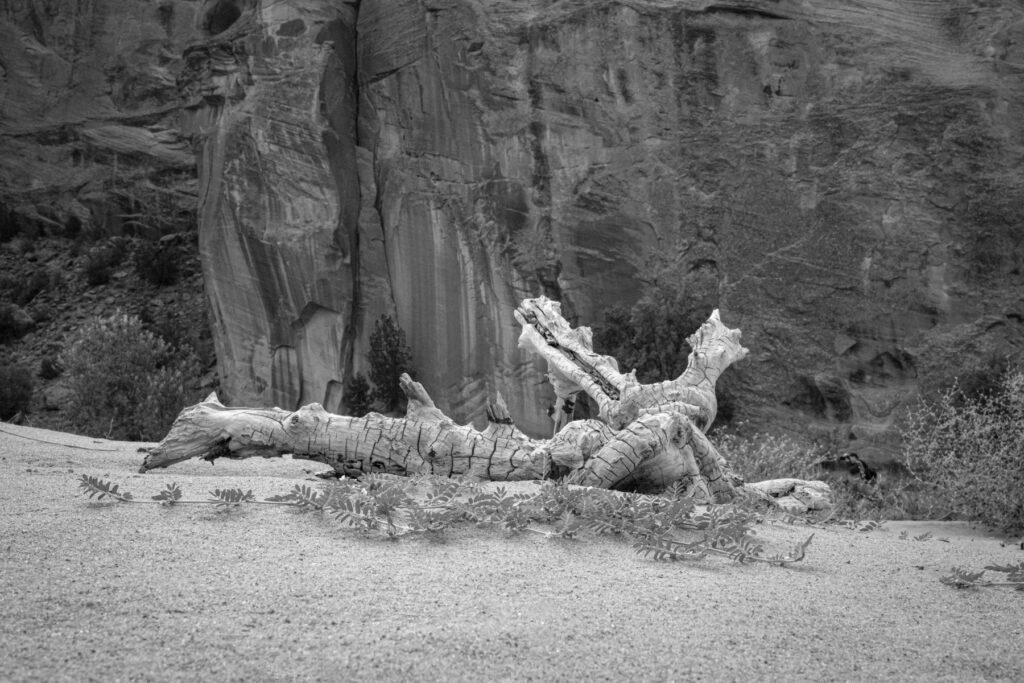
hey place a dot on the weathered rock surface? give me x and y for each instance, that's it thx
(842, 179)
(89, 105)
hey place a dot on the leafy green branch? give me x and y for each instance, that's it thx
(669, 527)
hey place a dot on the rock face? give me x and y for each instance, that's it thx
(90, 138)
(841, 179)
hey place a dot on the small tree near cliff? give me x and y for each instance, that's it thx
(649, 337)
(389, 357)
(358, 398)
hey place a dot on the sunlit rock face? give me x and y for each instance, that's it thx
(90, 140)
(270, 102)
(842, 180)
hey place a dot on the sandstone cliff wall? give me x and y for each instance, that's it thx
(90, 129)
(841, 178)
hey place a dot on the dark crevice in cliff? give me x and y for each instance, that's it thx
(744, 11)
(546, 271)
(221, 16)
(339, 105)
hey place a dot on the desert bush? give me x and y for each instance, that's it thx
(125, 382)
(761, 457)
(157, 265)
(15, 390)
(650, 337)
(101, 261)
(8, 223)
(14, 322)
(357, 396)
(72, 226)
(768, 456)
(389, 357)
(50, 368)
(970, 450)
(9, 329)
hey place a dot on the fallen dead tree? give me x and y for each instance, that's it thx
(647, 437)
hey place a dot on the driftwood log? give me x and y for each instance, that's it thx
(647, 437)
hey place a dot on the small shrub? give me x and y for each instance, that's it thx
(761, 457)
(157, 265)
(650, 336)
(15, 390)
(14, 323)
(72, 226)
(49, 368)
(971, 451)
(389, 357)
(357, 396)
(101, 261)
(8, 223)
(124, 382)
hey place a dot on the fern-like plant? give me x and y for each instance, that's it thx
(962, 578)
(666, 527)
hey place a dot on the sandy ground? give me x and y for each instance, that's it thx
(141, 592)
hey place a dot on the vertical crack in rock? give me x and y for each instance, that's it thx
(339, 103)
(548, 267)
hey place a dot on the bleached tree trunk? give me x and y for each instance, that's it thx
(649, 436)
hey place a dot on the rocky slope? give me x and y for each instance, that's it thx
(840, 178)
(93, 158)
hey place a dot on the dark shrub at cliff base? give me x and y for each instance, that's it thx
(650, 337)
(357, 396)
(15, 390)
(49, 368)
(8, 223)
(389, 358)
(156, 264)
(14, 322)
(101, 261)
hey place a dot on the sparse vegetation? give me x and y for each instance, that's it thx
(13, 322)
(101, 261)
(8, 223)
(650, 337)
(969, 452)
(125, 382)
(768, 456)
(15, 390)
(667, 527)
(963, 578)
(156, 264)
(761, 457)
